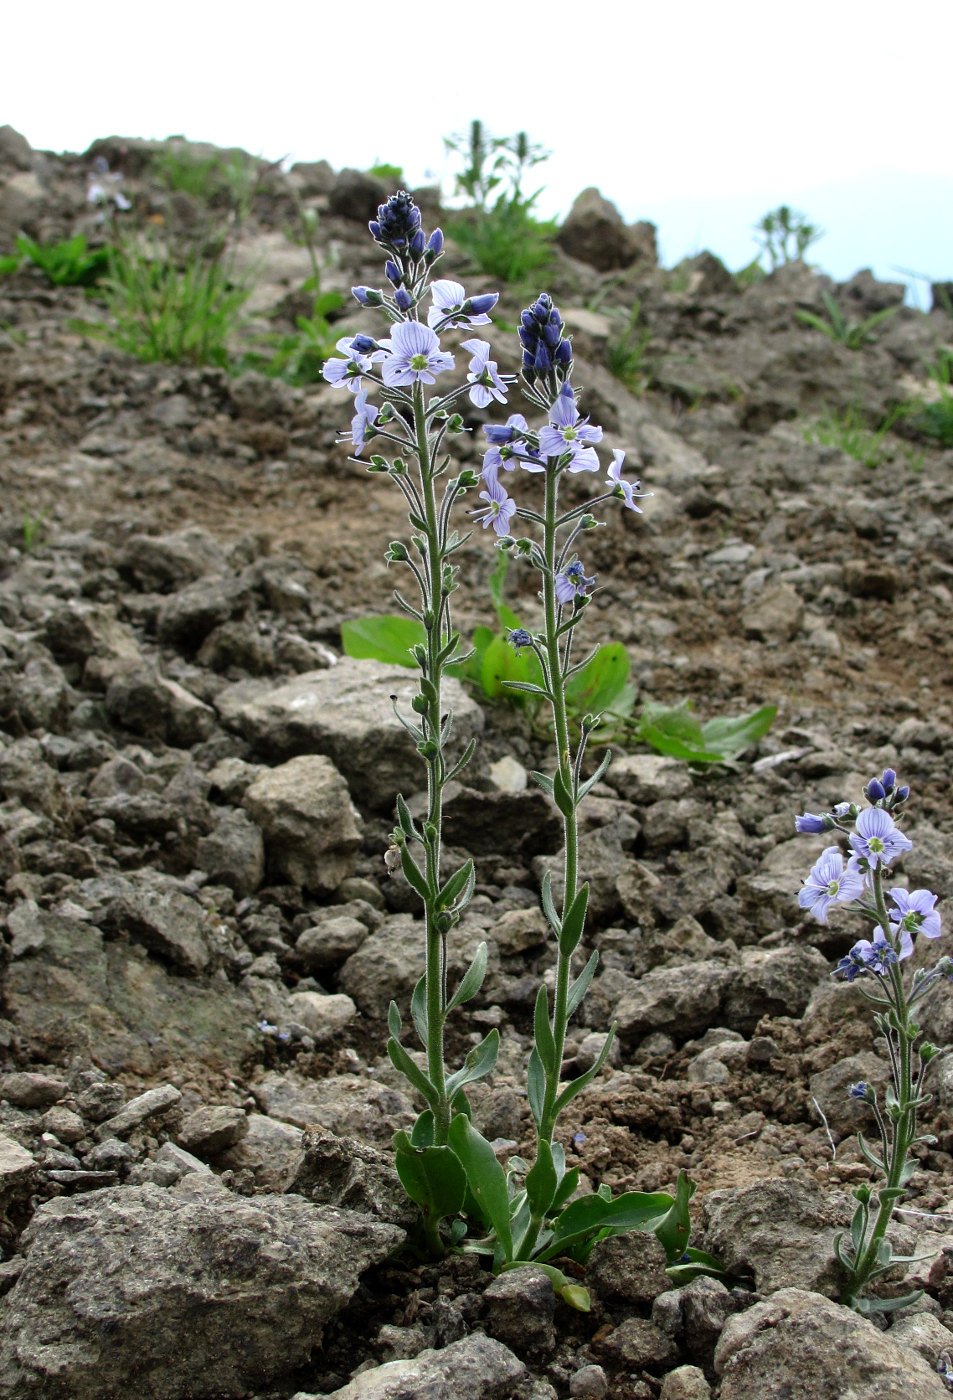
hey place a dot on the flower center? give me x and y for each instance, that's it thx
(418, 362)
(875, 845)
(570, 434)
(832, 887)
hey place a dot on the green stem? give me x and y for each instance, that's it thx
(436, 945)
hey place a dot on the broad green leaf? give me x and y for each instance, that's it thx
(432, 1177)
(636, 1210)
(730, 736)
(600, 681)
(541, 1180)
(422, 1134)
(697, 1264)
(485, 1178)
(674, 1231)
(388, 638)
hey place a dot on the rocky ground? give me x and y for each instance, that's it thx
(200, 938)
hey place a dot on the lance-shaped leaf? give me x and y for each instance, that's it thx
(636, 1210)
(590, 783)
(542, 1180)
(407, 824)
(536, 1086)
(393, 1020)
(485, 1178)
(418, 1010)
(869, 1154)
(432, 1177)
(674, 1231)
(413, 874)
(479, 1062)
(543, 1031)
(543, 782)
(858, 1227)
(695, 1263)
(409, 1068)
(472, 979)
(574, 921)
(463, 760)
(549, 906)
(577, 1085)
(458, 888)
(562, 795)
(580, 985)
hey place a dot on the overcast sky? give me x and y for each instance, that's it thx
(699, 116)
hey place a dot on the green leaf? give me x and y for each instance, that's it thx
(731, 736)
(411, 1071)
(697, 1265)
(565, 1188)
(574, 921)
(413, 874)
(580, 985)
(590, 783)
(393, 1020)
(866, 1306)
(541, 1180)
(485, 1177)
(600, 681)
(577, 1085)
(422, 1134)
(543, 782)
(418, 1009)
(858, 1227)
(407, 824)
(481, 1060)
(562, 796)
(387, 638)
(497, 579)
(549, 907)
(536, 1086)
(460, 885)
(869, 1154)
(635, 1210)
(543, 1032)
(472, 979)
(500, 664)
(674, 1231)
(433, 1177)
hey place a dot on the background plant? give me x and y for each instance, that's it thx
(785, 235)
(876, 842)
(836, 326)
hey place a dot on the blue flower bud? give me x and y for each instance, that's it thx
(542, 362)
(527, 322)
(903, 793)
(393, 273)
(563, 353)
(499, 433)
(479, 306)
(889, 779)
(550, 335)
(858, 1091)
(367, 296)
(809, 824)
(363, 344)
(519, 638)
(529, 360)
(417, 244)
(874, 790)
(375, 229)
(435, 242)
(402, 299)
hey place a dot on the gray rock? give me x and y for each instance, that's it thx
(323, 1015)
(346, 714)
(179, 1163)
(639, 1344)
(628, 1268)
(188, 1292)
(15, 150)
(683, 1000)
(772, 982)
(233, 854)
(646, 778)
(594, 233)
(159, 1102)
(474, 1368)
(168, 923)
(779, 1232)
(63, 1123)
(157, 708)
(519, 1309)
(27, 1089)
(387, 965)
(342, 1171)
(588, 1383)
(801, 1345)
(330, 943)
(187, 617)
(694, 1317)
(17, 1175)
(342, 1103)
(212, 1129)
(685, 1383)
(922, 1333)
(356, 195)
(774, 615)
(830, 1088)
(100, 1101)
(41, 697)
(310, 829)
(157, 563)
(270, 1150)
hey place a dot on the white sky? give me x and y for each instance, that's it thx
(698, 115)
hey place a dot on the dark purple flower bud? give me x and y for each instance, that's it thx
(563, 353)
(858, 1091)
(874, 791)
(529, 360)
(550, 334)
(402, 299)
(375, 229)
(363, 344)
(393, 273)
(809, 824)
(499, 433)
(479, 306)
(903, 793)
(528, 339)
(519, 638)
(889, 779)
(527, 322)
(435, 242)
(367, 296)
(542, 362)
(417, 244)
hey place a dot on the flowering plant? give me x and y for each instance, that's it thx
(876, 841)
(528, 1212)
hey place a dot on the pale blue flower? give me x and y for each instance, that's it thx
(570, 435)
(499, 510)
(452, 306)
(486, 384)
(624, 489)
(363, 421)
(572, 583)
(829, 882)
(877, 839)
(414, 355)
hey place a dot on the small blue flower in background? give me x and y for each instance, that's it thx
(915, 913)
(867, 956)
(362, 422)
(578, 1139)
(356, 363)
(486, 384)
(570, 434)
(499, 510)
(572, 583)
(877, 839)
(519, 639)
(414, 355)
(829, 882)
(626, 490)
(859, 1091)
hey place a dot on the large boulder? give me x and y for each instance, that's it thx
(311, 831)
(168, 1294)
(594, 232)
